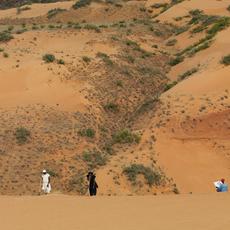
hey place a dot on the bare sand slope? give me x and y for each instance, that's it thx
(212, 7)
(209, 212)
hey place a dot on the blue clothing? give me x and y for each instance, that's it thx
(222, 188)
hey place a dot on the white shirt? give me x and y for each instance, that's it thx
(45, 178)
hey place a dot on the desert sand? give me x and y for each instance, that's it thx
(125, 213)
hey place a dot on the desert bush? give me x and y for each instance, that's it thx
(221, 24)
(20, 9)
(226, 60)
(200, 47)
(48, 58)
(171, 42)
(54, 12)
(176, 60)
(170, 85)
(228, 8)
(94, 158)
(111, 107)
(1, 49)
(77, 183)
(105, 58)
(22, 135)
(86, 59)
(126, 136)
(87, 133)
(152, 177)
(92, 27)
(60, 62)
(81, 3)
(5, 36)
(159, 5)
(5, 55)
(188, 73)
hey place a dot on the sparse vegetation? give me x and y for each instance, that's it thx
(22, 135)
(111, 107)
(152, 177)
(188, 73)
(170, 85)
(48, 58)
(126, 136)
(171, 42)
(226, 60)
(54, 12)
(105, 58)
(5, 36)
(60, 62)
(94, 158)
(86, 59)
(176, 60)
(87, 133)
(81, 3)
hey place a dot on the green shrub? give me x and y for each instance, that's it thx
(159, 5)
(111, 107)
(187, 73)
(60, 62)
(1, 49)
(228, 8)
(54, 12)
(5, 55)
(105, 58)
(5, 36)
(86, 59)
(170, 85)
(176, 60)
(81, 3)
(226, 60)
(151, 177)
(94, 158)
(221, 24)
(171, 42)
(48, 58)
(92, 27)
(126, 136)
(87, 133)
(22, 135)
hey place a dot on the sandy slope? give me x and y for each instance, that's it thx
(36, 10)
(209, 212)
(211, 7)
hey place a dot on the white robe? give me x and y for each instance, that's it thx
(46, 187)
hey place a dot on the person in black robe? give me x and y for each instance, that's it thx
(92, 184)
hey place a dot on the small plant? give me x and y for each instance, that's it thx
(226, 60)
(5, 55)
(22, 135)
(87, 133)
(1, 49)
(86, 59)
(60, 62)
(111, 107)
(152, 177)
(92, 27)
(94, 158)
(54, 12)
(81, 3)
(176, 60)
(125, 136)
(105, 58)
(170, 85)
(48, 58)
(188, 73)
(5, 36)
(171, 42)
(228, 8)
